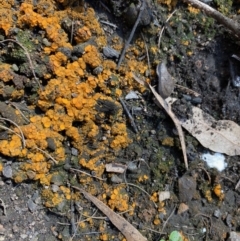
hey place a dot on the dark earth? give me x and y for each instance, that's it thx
(205, 66)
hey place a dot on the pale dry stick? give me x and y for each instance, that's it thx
(168, 109)
(165, 223)
(77, 170)
(48, 155)
(86, 219)
(187, 90)
(105, 6)
(211, 12)
(131, 184)
(24, 117)
(21, 133)
(126, 228)
(72, 220)
(28, 56)
(163, 28)
(108, 23)
(237, 185)
(8, 129)
(74, 229)
(146, 48)
(132, 33)
(104, 218)
(209, 178)
(129, 115)
(3, 205)
(72, 29)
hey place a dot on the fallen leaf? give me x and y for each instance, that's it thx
(168, 109)
(129, 231)
(219, 136)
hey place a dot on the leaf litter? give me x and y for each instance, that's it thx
(127, 229)
(219, 136)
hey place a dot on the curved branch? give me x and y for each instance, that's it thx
(211, 12)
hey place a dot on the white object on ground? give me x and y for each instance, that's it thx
(216, 160)
(131, 95)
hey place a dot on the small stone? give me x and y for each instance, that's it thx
(98, 70)
(163, 195)
(23, 236)
(74, 151)
(131, 95)
(116, 179)
(51, 144)
(234, 236)
(15, 228)
(187, 188)
(31, 205)
(182, 208)
(7, 172)
(110, 52)
(217, 213)
(132, 166)
(187, 97)
(15, 68)
(197, 100)
(55, 188)
(2, 229)
(66, 51)
(165, 81)
(153, 132)
(46, 42)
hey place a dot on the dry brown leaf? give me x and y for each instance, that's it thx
(129, 231)
(168, 109)
(219, 136)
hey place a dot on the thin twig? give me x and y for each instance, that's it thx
(165, 223)
(132, 33)
(105, 218)
(24, 117)
(108, 23)
(187, 90)
(168, 109)
(163, 28)
(131, 184)
(237, 185)
(206, 216)
(129, 115)
(21, 133)
(28, 56)
(3, 205)
(211, 12)
(72, 29)
(10, 130)
(47, 154)
(77, 170)
(209, 178)
(152, 230)
(146, 48)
